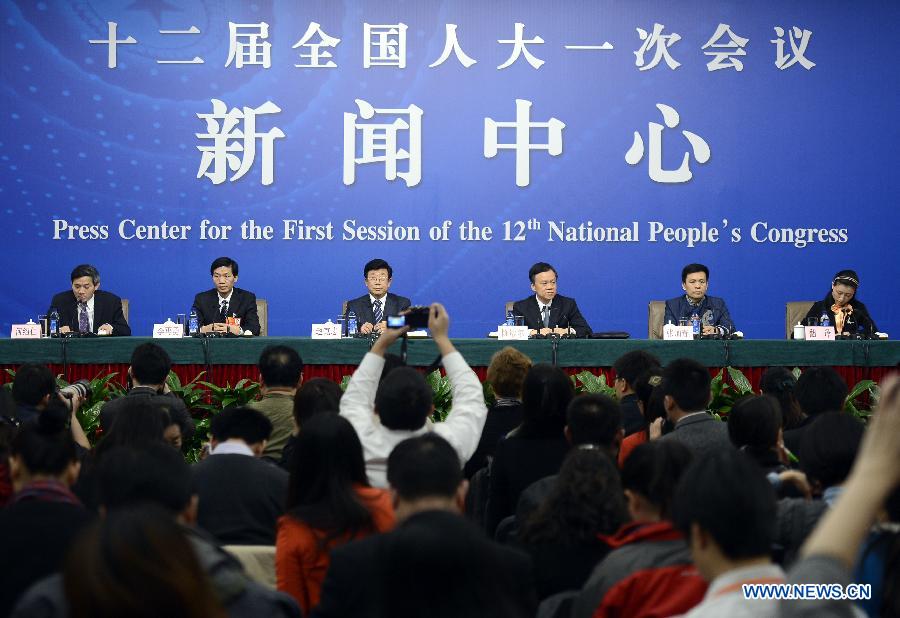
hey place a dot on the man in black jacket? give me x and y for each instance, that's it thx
(548, 312)
(87, 309)
(393, 574)
(372, 309)
(225, 308)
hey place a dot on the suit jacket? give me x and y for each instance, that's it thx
(712, 312)
(368, 577)
(563, 312)
(393, 305)
(700, 433)
(242, 305)
(107, 310)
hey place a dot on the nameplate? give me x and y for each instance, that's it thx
(512, 333)
(672, 332)
(168, 330)
(820, 333)
(329, 330)
(25, 331)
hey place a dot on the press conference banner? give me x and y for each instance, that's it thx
(461, 141)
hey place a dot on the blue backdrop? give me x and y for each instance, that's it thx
(791, 149)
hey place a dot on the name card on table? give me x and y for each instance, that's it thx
(512, 333)
(26, 331)
(329, 330)
(168, 330)
(820, 333)
(673, 332)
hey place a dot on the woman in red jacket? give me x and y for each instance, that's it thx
(329, 503)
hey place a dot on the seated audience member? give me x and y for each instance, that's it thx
(781, 384)
(157, 476)
(726, 509)
(547, 312)
(819, 389)
(505, 374)
(105, 576)
(316, 396)
(650, 401)
(561, 535)
(329, 503)
(373, 309)
(536, 448)
(392, 575)
(33, 388)
(648, 571)
(829, 448)
(685, 387)
(8, 426)
(280, 373)
(833, 548)
(844, 311)
(387, 413)
(226, 303)
(241, 496)
(150, 366)
(87, 309)
(628, 368)
(713, 314)
(43, 517)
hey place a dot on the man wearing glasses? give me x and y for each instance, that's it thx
(372, 309)
(547, 312)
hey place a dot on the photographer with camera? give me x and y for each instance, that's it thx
(33, 388)
(403, 401)
(150, 366)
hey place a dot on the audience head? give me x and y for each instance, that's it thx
(314, 397)
(141, 422)
(246, 425)
(595, 419)
(43, 448)
(507, 372)
(8, 423)
(391, 362)
(137, 562)
(649, 477)
(152, 474)
(821, 389)
(829, 448)
(546, 394)
(650, 398)
(629, 367)
(326, 467)
(404, 399)
(726, 508)
(685, 386)
(175, 432)
(150, 365)
(33, 385)
(586, 500)
(781, 384)
(425, 471)
(280, 366)
(754, 424)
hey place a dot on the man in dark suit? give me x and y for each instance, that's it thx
(713, 314)
(225, 302)
(392, 574)
(686, 390)
(372, 309)
(548, 312)
(87, 309)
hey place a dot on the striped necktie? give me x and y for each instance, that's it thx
(84, 324)
(376, 308)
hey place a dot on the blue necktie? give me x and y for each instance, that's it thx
(546, 316)
(376, 308)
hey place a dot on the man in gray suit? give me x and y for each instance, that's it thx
(685, 386)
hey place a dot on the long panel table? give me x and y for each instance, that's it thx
(231, 359)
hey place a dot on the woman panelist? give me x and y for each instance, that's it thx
(845, 312)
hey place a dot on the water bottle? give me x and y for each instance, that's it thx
(193, 323)
(54, 322)
(351, 324)
(824, 321)
(510, 318)
(695, 324)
